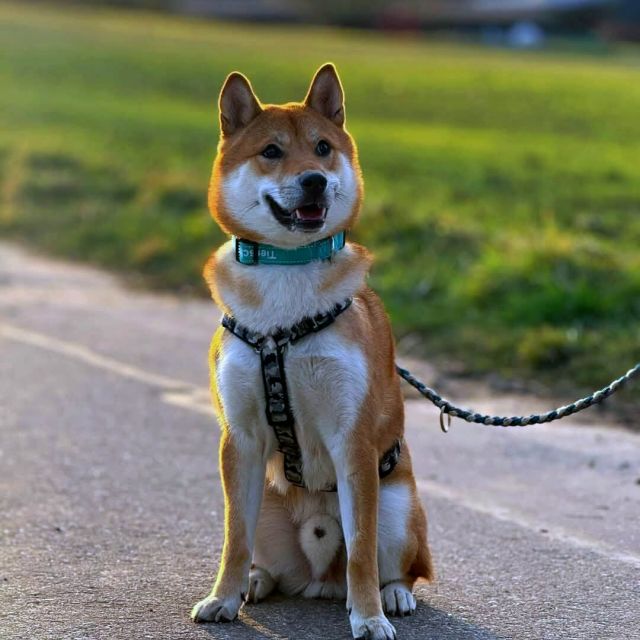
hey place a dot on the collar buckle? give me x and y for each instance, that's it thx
(247, 251)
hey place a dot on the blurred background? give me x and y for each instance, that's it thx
(500, 142)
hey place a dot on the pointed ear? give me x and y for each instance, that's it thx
(238, 104)
(325, 94)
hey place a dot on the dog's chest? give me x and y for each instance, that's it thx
(327, 380)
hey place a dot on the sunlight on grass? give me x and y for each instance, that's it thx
(503, 189)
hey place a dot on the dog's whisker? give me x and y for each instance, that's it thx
(253, 205)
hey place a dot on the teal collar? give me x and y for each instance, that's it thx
(248, 252)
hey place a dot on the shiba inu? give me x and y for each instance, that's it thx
(320, 498)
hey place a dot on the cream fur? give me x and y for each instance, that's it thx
(393, 513)
(320, 551)
(244, 194)
(322, 365)
(288, 294)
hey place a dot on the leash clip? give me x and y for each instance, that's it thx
(443, 426)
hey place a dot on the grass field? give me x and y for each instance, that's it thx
(503, 189)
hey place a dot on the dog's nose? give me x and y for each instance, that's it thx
(313, 183)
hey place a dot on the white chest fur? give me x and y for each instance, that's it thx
(327, 380)
(289, 293)
(327, 375)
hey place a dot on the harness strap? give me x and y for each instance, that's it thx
(282, 337)
(271, 349)
(390, 459)
(278, 409)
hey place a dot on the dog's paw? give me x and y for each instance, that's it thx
(261, 584)
(217, 609)
(397, 599)
(374, 628)
(313, 590)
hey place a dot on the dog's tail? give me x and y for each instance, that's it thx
(320, 539)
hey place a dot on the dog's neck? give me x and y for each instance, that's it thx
(267, 297)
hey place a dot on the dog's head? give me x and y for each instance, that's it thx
(285, 174)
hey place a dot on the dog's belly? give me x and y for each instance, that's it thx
(327, 380)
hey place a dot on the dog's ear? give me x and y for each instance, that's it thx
(325, 94)
(238, 104)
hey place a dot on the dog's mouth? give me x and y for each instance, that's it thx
(306, 217)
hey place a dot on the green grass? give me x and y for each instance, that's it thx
(503, 189)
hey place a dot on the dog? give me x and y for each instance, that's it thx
(305, 344)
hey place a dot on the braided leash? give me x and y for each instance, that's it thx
(452, 411)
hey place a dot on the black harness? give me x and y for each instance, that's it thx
(271, 349)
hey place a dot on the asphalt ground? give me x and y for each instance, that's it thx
(111, 507)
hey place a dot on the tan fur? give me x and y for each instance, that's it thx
(362, 258)
(235, 553)
(278, 557)
(382, 422)
(218, 276)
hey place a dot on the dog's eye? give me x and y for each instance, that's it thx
(272, 151)
(323, 148)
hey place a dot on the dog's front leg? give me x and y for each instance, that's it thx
(358, 486)
(242, 467)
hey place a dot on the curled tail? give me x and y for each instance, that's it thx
(321, 539)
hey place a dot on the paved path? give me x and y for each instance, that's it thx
(111, 510)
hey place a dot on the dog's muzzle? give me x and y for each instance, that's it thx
(310, 212)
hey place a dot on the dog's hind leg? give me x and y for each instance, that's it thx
(261, 584)
(278, 559)
(403, 554)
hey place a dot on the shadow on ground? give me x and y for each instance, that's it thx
(283, 617)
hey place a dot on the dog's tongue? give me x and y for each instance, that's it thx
(310, 212)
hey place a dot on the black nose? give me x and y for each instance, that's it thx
(313, 183)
